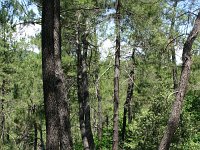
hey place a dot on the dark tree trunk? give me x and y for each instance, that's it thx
(48, 67)
(99, 130)
(176, 109)
(127, 104)
(8, 134)
(116, 79)
(60, 88)
(131, 87)
(35, 136)
(56, 106)
(2, 115)
(86, 93)
(80, 88)
(35, 127)
(82, 83)
(2, 112)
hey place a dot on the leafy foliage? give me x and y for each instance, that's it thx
(145, 28)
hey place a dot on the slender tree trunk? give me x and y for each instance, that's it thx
(2, 112)
(172, 48)
(80, 88)
(82, 83)
(176, 109)
(3, 92)
(35, 136)
(81, 107)
(127, 104)
(60, 88)
(8, 134)
(132, 76)
(99, 113)
(97, 88)
(35, 127)
(86, 93)
(98, 94)
(116, 79)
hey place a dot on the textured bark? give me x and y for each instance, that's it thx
(2, 112)
(116, 79)
(177, 106)
(82, 83)
(86, 93)
(56, 106)
(60, 89)
(48, 68)
(79, 91)
(127, 104)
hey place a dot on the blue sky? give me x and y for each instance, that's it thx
(106, 46)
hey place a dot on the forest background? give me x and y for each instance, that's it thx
(151, 38)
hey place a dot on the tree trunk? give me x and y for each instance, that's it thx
(56, 106)
(176, 109)
(82, 83)
(127, 104)
(60, 89)
(35, 127)
(35, 136)
(2, 112)
(48, 68)
(83, 93)
(86, 93)
(79, 91)
(97, 89)
(116, 79)
(99, 128)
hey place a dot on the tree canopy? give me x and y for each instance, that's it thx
(100, 74)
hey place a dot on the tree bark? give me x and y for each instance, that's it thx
(116, 79)
(127, 104)
(86, 92)
(60, 89)
(2, 112)
(80, 87)
(48, 68)
(99, 128)
(176, 109)
(82, 83)
(56, 106)
(35, 127)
